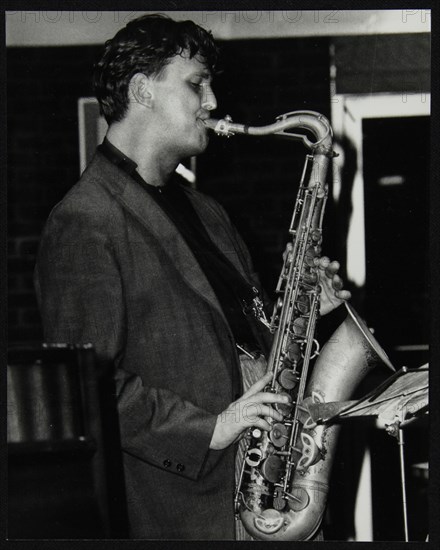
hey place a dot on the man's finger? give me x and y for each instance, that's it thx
(323, 262)
(268, 397)
(262, 424)
(337, 283)
(332, 268)
(258, 386)
(343, 294)
(251, 411)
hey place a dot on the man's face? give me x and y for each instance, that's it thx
(183, 99)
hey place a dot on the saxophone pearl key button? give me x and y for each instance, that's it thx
(180, 467)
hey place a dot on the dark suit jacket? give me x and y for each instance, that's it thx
(113, 270)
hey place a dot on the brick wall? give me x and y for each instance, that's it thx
(255, 179)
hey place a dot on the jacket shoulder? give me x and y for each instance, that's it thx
(86, 211)
(88, 196)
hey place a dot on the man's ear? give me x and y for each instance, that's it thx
(140, 89)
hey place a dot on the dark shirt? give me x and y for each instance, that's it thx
(231, 289)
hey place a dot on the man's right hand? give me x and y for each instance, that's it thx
(249, 410)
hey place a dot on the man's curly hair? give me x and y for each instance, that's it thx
(145, 45)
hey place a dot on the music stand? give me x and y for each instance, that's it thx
(398, 401)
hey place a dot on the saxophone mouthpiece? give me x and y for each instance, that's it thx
(225, 126)
(210, 123)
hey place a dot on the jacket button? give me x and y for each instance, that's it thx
(167, 463)
(180, 467)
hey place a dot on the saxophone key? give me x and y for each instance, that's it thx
(284, 408)
(256, 433)
(279, 501)
(311, 453)
(288, 379)
(303, 413)
(278, 435)
(302, 304)
(299, 326)
(271, 468)
(282, 453)
(310, 277)
(310, 255)
(294, 352)
(294, 456)
(297, 499)
(316, 235)
(269, 521)
(253, 457)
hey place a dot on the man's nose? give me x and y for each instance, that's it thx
(209, 101)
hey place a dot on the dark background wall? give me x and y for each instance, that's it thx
(43, 87)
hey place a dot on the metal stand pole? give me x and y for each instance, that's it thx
(401, 444)
(396, 431)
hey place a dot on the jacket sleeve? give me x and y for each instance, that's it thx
(80, 294)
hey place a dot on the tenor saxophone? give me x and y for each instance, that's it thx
(283, 480)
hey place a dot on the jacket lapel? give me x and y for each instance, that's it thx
(145, 209)
(221, 235)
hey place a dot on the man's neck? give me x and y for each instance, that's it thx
(152, 164)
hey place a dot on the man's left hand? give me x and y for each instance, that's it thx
(332, 293)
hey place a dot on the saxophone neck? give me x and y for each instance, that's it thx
(316, 123)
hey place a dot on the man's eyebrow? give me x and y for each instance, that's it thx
(203, 74)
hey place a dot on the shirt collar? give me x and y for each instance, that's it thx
(117, 157)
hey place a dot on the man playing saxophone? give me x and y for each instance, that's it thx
(155, 276)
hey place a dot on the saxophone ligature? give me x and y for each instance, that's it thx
(284, 475)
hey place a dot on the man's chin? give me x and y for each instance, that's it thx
(197, 144)
(202, 145)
